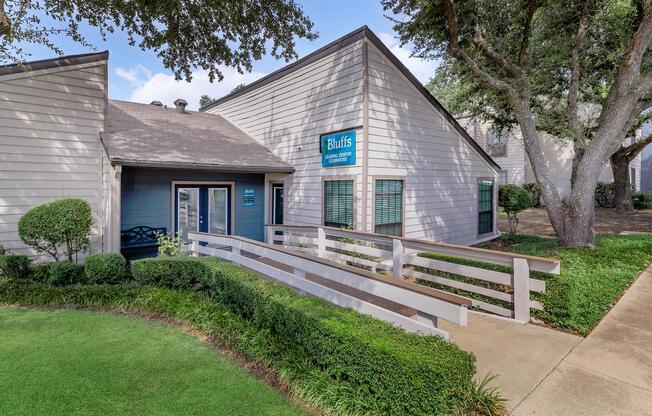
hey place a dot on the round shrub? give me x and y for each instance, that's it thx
(40, 272)
(60, 227)
(14, 266)
(605, 195)
(105, 268)
(535, 193)
(513, 199)
(642, 200)
(64, 273)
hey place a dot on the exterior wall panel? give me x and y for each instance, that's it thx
(50, 124)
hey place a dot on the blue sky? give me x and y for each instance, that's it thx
(137, 75)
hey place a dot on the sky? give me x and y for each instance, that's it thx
(139, 76)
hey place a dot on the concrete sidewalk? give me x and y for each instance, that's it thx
(520, 355)
(610, 371)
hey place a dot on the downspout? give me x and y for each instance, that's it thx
(365, 132)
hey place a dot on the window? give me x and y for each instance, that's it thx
(389, 207)
(632, 178)
(338, 203)
(497, 144)
(485, 206)
(502, 178)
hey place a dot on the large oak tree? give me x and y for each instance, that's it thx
(185, 34)
(539, 64)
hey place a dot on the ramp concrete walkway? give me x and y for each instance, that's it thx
(610, 371)
(521, 355)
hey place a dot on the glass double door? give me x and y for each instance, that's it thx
(204, 208)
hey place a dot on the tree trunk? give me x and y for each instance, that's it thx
(622, 185)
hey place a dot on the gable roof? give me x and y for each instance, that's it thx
(155, 136)
(363, 32)
(54, 62)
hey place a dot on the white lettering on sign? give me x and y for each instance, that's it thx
(333, 143)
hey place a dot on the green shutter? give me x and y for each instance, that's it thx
(389, 207)
(485, 206)
(338, 203)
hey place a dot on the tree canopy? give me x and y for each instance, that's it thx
(580, 69)
(184, 34)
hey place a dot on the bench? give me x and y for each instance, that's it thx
(140, 241)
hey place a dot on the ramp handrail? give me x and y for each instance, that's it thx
(430, 304)
(400, 257)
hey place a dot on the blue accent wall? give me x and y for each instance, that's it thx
(147, 198)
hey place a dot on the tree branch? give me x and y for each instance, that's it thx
(574, 86)
(456, 51)
(5, 23)
(522, 54)
(483, 46)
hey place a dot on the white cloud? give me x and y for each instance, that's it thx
(420, 68)
(164, 88)
(136, 75)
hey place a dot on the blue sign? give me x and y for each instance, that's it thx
(338, 149)
(248, 197)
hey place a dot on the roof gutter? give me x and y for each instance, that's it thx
(203, 166)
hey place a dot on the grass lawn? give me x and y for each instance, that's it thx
(84, 363)
(591, 280)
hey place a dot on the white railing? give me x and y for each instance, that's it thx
(295, 269)
(399, 257)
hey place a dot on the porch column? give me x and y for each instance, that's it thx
(115, 211)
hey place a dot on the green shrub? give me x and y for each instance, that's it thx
(605, 195)
(64, 273)
(40, 272)
(535, 193)
(352, 363)
(105, 268)
(3, 250)
(513, 200)
(168, 245)
(173, 272)
(642, 200)
(14, 266)
(60, 227)
(486, 400)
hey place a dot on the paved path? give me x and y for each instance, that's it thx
(610, 371)
(521, 355)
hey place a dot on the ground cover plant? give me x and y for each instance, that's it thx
(591, 280)
(78, 362)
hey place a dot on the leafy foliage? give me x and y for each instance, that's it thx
(169, 246)
(61, 224)
(349, 363)
(172, 272)
(205, 100)
(14, 266)
(513, 200)
(486, 399)
(105, 268)
(535, 193)
(63, 273)
(605, 195)
(642, 200)
(3, 250)
(184, 34)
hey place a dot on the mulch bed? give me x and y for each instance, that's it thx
(607, 221)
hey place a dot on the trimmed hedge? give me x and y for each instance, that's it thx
(105, 268)
(346, 362)
(14, 266)
(63, 273)
(642, 200)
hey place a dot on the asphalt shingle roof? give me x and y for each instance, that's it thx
(149, 135)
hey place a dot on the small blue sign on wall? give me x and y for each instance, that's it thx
(338, 149)
(248, 197)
